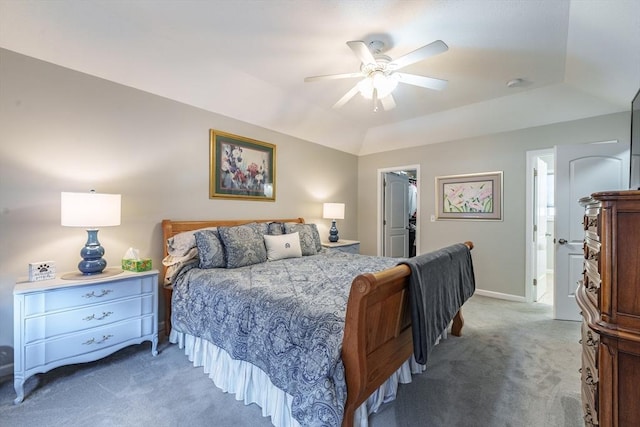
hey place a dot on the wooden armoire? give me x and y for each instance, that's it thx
(609, 297)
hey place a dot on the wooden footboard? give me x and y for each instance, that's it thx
(377, 333)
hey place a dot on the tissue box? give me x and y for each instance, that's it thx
(136, 264)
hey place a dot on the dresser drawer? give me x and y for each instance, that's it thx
(592, 253)
(83, 343)
(67, 321)
(59, 299)
(590, 224)
(592, 276)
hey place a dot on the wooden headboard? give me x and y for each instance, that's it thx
(171, 228)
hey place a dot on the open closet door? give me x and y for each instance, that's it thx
(396, 216)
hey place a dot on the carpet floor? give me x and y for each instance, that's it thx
(514, 366)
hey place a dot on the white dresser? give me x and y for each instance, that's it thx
(60, 322)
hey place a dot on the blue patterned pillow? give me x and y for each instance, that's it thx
(276, 228)
(309, 237)
(210, 249)
(261, 227)
(316, 237)
(243, 245)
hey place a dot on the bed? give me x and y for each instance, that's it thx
(375, 351)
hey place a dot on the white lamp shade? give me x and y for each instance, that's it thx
(333, 210)
(89, 210)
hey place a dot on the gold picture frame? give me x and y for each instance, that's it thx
(241, 168)
(475, 196)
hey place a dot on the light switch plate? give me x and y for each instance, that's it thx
(43, 270)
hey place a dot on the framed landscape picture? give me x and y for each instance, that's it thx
(470, 197)
(241, 168)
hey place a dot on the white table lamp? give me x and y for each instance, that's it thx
(333, 211)
(90, 210)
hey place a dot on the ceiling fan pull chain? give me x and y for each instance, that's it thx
(375, 100)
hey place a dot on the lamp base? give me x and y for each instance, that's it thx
(92, 261)
(333, 232)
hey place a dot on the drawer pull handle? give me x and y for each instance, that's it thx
(105, 314)
(92, 294)
(94, 341)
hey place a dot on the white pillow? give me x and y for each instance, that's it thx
(283, 246)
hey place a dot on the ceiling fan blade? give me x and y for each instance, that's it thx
(388, 103)
(347, 96)
(333, 77)
(424, 52)
(422, 81)
(362, 51)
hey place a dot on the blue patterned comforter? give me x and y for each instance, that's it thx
(285, 317)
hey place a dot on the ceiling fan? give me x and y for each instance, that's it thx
(379, 72)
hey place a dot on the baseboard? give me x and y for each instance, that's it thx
(498, 295)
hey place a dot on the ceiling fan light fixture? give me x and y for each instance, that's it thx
(385, 84)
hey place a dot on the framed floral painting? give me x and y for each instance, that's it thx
(241, 168)
(471, 197)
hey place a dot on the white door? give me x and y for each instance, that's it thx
(580, 170)
(396, 216)
(540, 229)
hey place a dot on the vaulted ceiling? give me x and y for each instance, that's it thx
(247, 59)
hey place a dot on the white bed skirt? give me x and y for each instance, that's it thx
(251, 385)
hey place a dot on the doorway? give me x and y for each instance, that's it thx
(540, 220)
(397, 217)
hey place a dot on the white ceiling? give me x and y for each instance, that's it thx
(247, 59)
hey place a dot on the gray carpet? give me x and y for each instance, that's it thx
(514, 366)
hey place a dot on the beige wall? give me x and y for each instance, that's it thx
(499, 255)
(61, 130)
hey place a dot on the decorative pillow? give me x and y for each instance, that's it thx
(181, 243)
(283, 246)
(307, 238)
(243, 245)
(210, 249)
(316, 237)
(261, 227)
(276, 228)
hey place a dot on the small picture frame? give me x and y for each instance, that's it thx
(475, 196)
(241, 168)
(43, 270)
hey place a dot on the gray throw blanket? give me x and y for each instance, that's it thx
(440, 282)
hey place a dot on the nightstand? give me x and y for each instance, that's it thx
(349, 246)
(60, 322)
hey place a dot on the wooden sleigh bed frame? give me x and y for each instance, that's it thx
(377, 333)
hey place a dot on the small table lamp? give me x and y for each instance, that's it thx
(90, 210)
(333, 211)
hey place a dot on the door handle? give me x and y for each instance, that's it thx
(561, 241)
